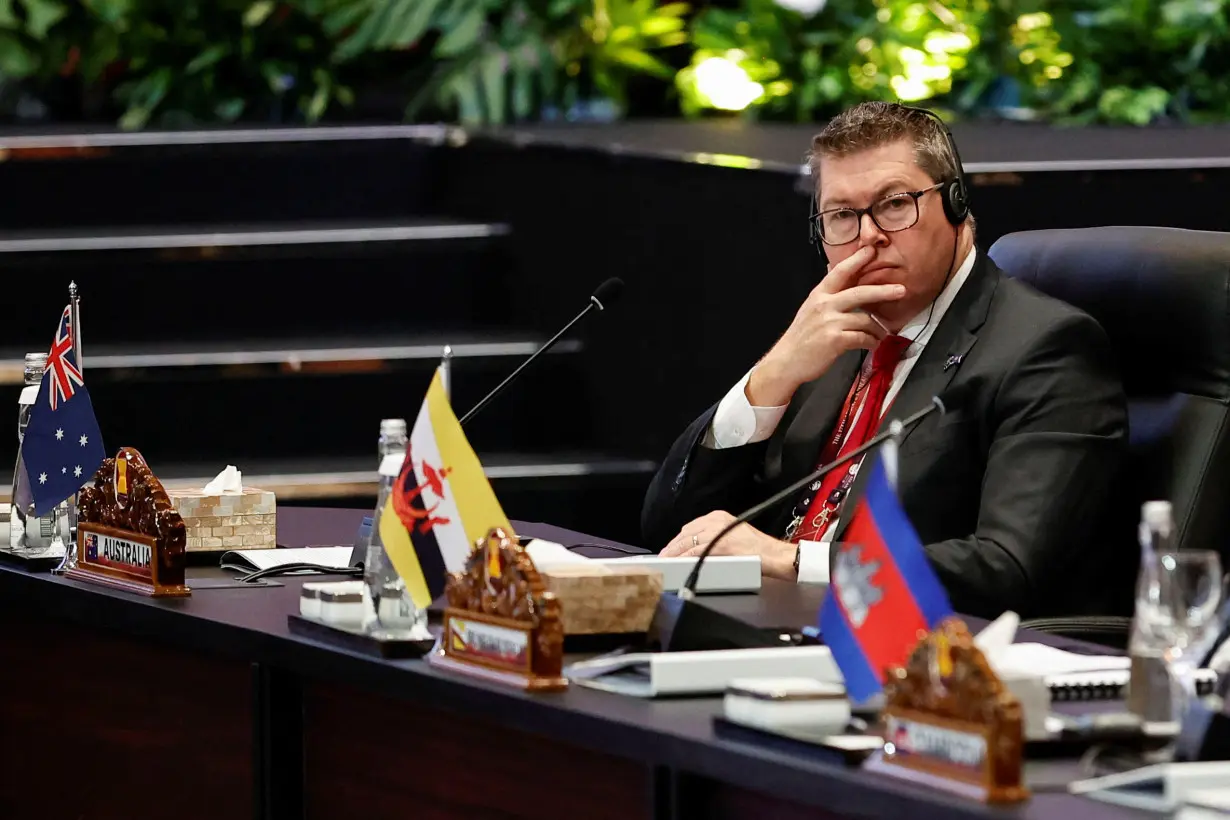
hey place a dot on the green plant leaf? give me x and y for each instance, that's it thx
(453, 12)
(408, 23)
(561, 8)
(463, 35)
(110, 11)
(465, 89)
(657, 26)
(41, 15)
(315, 108)
(7, 18)
(491, 70)
(548, 71)
(145, 94)
(230, 110)
(16, 60)
(257, 13)
(1136, 106)
(375, 20)
(135, 118)
(99, 53)
(523, 92)
(207, 58)
(335, 22)
(641, 61)
(399, 13)
(279, 75)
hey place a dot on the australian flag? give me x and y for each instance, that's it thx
(883, 594)
(63, 447)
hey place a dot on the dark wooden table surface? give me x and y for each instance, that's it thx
(112, 705)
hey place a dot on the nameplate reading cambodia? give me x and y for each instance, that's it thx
(502, 623)
(129, 535)
(950, 722)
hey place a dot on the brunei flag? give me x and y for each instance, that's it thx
(441, 503)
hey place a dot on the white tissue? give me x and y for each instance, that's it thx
(997, 642)
(229, 480)
(548, 556)
(999, 633)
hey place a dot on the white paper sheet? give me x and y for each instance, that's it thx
(333, 557)
(1045, 660)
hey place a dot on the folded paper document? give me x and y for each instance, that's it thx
(652, 674)
(1163, 787)
(324, 558)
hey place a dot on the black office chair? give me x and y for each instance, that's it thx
(1163, 297)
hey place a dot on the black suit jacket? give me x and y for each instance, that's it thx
(1006, 490)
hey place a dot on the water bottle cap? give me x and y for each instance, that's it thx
(1156, 514)
(35, 367)
(393, 427)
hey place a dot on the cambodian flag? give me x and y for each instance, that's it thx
(883, 594)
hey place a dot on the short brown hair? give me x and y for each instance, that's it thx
(873, 124)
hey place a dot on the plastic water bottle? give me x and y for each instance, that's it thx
(393, 614)
(29, 533)
(1149, 687)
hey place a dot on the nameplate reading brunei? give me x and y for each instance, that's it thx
(502, 623)
(129, 535)
(950, 722)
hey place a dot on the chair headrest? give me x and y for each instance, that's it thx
(1161, 294)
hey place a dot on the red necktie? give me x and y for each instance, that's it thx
(866, 400)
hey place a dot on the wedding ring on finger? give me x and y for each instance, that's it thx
(695, 541)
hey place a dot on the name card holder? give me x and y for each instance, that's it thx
(951, 723)
(129, 536)
(502, 624)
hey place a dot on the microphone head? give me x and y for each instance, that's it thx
(952, 398)
(608, 292)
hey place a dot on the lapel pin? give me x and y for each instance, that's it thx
(953, 361)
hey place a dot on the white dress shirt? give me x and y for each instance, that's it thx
(736, 422)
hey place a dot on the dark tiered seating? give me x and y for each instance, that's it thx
(264, 298)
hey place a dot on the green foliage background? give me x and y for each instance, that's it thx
(177, 62)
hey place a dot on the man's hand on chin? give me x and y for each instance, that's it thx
(776, 557)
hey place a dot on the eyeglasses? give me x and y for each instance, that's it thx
(895, 212)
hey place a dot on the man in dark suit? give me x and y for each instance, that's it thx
(1005, 491)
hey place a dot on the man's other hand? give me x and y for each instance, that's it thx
(776, 557)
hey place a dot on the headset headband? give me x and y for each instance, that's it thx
(956, 193)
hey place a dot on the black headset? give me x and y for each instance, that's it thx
(954, 195)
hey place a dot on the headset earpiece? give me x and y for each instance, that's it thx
(955, 206)
(955, 195)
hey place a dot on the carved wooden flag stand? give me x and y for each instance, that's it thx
(129, 535)
(951, 723)
(502, 623)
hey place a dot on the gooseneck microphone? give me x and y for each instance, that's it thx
(680, 624)
(606, 295)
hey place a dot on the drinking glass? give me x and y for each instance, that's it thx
(1177, 604)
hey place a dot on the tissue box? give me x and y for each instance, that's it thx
(603, 600)
(243, 520)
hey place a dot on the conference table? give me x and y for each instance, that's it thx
(118, 706)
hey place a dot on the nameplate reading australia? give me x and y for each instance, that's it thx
(502, 623)
(129, 535)
(950, 722)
